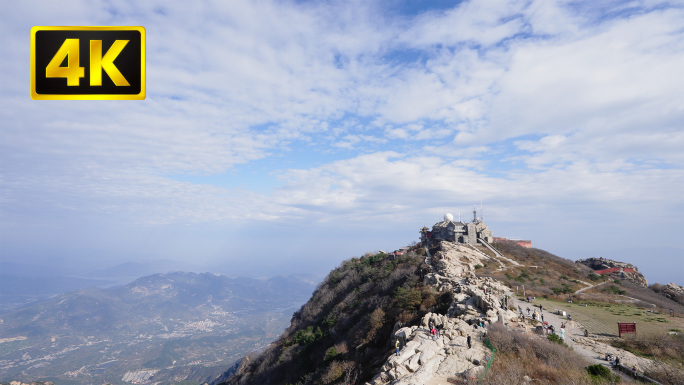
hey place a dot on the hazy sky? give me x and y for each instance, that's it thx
(291, 135)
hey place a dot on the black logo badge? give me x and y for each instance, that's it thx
(87, 63)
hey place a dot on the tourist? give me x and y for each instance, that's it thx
(396, 345)
(468, 340)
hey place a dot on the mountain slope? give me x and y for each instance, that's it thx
(343, 330)
(346, 333)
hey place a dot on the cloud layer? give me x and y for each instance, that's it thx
(265, 112)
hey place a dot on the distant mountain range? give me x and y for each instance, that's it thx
(22, 283)
(161, 326)
(18, 291)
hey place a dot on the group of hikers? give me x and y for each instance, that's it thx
(539, 316)
(616, 363)
(434, 333)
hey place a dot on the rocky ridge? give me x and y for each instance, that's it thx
(599, 264)
(425, 359)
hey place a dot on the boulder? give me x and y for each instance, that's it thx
(453, 365)
(397, 372)
(426, 355)
(413, 363)
(475, 372)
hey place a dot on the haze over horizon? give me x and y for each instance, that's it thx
(287, 136)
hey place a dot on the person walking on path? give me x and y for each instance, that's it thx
(563, 332)
(396, 345)
(469, 342)
(542, 317)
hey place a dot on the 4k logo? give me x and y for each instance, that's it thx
(103, 63)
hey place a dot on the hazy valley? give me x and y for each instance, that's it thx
(176, 326)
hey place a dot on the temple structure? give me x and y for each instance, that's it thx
(457, 232)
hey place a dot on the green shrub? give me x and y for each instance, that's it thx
(598, 370)
(408, 299)
(601, 374)
(613, 289)
(306, 336)
(330, 354)
(555, 338)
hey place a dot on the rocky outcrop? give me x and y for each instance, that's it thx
(423, 357)
(622, 270)
(673, 290)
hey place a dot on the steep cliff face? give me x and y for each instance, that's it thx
(618, 269)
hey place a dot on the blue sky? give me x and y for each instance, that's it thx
(291, 135)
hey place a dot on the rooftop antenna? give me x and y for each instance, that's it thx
(459, 216)
(474, 213)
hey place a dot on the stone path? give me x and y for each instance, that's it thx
(573, 329)
(590, 286)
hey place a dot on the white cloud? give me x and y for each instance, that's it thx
(612, 81)
(535, 106)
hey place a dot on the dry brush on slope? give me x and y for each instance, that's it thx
(343, 333)
(521, 354)
(541, 273)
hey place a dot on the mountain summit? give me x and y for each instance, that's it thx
(442, 314)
